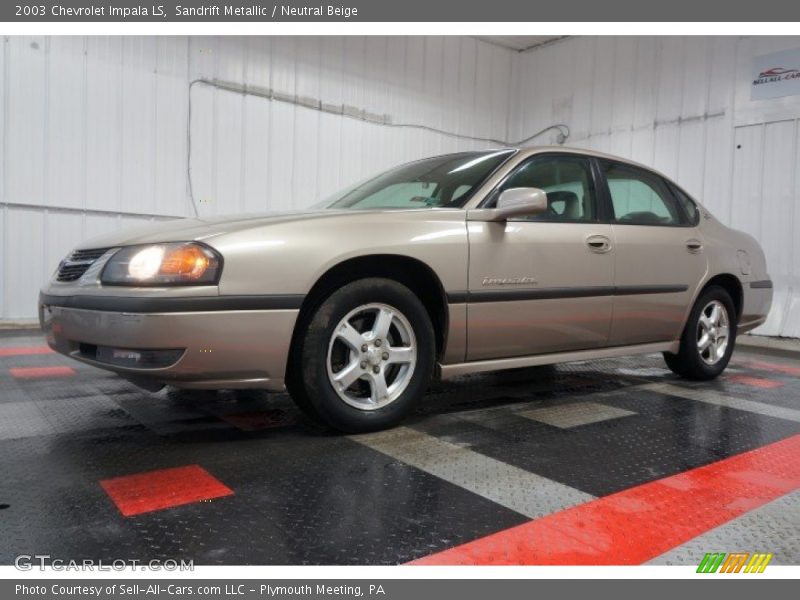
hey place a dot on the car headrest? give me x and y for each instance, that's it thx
(643, 217)
(572, 206)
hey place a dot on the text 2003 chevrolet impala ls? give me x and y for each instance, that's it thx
(456, 264)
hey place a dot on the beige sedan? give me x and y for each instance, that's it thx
(456, 264)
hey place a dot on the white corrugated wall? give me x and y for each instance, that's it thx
(95, 133)
(682, 105)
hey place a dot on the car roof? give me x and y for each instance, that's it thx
(525, 151)
(531, 150)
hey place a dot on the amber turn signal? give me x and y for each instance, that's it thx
(185, 262)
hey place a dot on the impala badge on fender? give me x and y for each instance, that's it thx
(509, 281)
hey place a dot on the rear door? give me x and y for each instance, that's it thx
(660, 258)
(542, 284)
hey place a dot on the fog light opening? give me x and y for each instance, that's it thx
(134, 358)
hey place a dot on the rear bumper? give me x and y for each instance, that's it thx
(756, 305)
(212, 349)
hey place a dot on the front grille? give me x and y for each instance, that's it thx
(77, 263)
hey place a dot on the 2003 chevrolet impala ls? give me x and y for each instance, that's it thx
(456, 264)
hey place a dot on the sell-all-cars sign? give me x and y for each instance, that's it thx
(776, 75)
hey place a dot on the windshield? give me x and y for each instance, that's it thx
(440, 182)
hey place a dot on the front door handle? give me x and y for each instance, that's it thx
(694, 245)
(598, 243)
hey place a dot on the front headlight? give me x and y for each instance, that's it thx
(180, 263)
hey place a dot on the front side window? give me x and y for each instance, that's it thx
(567, 180)
(639, 197)
(439, 182)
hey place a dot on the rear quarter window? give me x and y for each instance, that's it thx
(687, 204)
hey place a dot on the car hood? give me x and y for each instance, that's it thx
(200, 229)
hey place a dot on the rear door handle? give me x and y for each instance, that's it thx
(694, 246)
(598, 243)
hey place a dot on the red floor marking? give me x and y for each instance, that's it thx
(758, 382)
(37, 372)
(166, 488)
(638, 524)
(775, 368)
(25, 350)
(255, 421)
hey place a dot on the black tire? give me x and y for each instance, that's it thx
(296, 390)
(309, 383)
(688, 362)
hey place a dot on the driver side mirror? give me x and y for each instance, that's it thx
(514, 202)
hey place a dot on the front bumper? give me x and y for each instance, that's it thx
(207, 349)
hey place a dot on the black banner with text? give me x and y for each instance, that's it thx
(394, 11)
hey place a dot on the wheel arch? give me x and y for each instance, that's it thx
(731, 284)
(415, 274)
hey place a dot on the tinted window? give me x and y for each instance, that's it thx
(639, 197)
(567, 181)
(443, 181)
(688, 205)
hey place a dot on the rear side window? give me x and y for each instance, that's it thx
(639, 197)
(567, 181)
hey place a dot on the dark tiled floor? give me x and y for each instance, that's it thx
(302, 495)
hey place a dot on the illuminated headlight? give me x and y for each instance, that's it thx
(182, 263)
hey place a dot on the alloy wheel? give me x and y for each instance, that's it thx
(713, 332)
(372, 354)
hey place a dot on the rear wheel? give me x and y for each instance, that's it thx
(366, 357)
(708, 340)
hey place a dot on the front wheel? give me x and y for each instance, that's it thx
(708, 340)
(367, 355)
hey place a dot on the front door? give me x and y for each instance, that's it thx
(542, 284)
